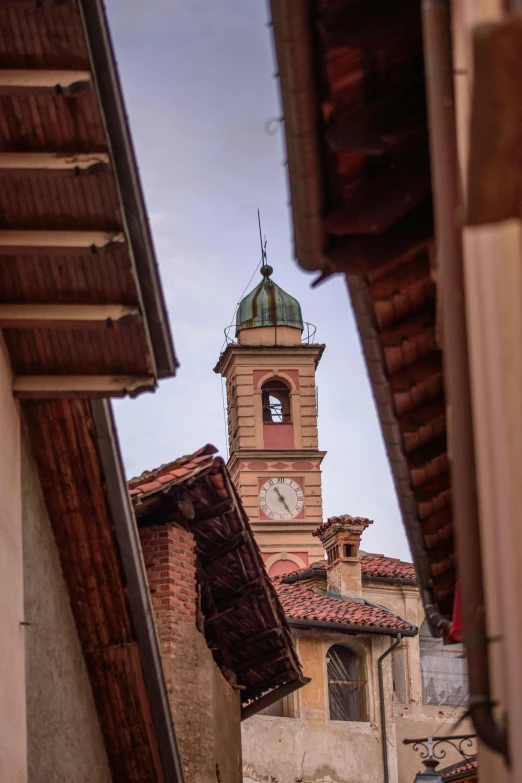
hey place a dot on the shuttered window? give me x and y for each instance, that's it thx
(346, 688)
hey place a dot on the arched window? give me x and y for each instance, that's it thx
(276, 402)
(444, 670)
(346, 688)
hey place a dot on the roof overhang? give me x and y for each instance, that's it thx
(81, 303)
(358, 162)
(245, 626)
(76, 453)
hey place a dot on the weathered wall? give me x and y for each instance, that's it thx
(13, 749)
(64, 738)
(205, 708)
(311, 747)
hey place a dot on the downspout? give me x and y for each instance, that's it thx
(384, 736)
(447, 202)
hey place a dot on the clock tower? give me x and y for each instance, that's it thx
(275, 460)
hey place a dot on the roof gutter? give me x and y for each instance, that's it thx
(137, 587)
(436, 19)
(349, 628)
(390, 580)
(133, 205)
(294, 44)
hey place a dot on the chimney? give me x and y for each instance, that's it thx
(341, 538)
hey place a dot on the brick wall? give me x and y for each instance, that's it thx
(170, 560)
(205, 708)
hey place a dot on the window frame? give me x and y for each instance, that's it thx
(362, 682)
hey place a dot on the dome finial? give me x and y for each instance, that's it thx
(266, 270)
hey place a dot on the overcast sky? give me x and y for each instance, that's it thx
(198, 79)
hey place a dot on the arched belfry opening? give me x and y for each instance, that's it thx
(276, 402)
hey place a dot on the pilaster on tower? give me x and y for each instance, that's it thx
(275, 459)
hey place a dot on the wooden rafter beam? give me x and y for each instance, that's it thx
(227, 604)
(221, 551)
(60, 242)
(213, 511)
(274, 656)
(92, 386)
(262, 636)
(36, 80)
(53, 163)
(64, 316)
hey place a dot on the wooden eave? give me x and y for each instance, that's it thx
(352, 87)
(106, 583)
(244, 623)
(73, 225)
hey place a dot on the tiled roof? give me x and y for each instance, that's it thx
(198, 492)
(381, 566)
(171, 473)
(456, 771)
(301, 603)
(378, 566)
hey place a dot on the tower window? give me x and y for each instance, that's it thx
(276, 403)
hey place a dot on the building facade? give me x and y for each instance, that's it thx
(359, 627)
(377, 674)
(226, 647)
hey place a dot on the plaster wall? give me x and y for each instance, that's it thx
(64, 738)
(13, 737)
(310, 747)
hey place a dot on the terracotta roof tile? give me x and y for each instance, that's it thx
(301, 603)
(344, 518)
(152, 480)
(458, 769)
(379, 565)
(372, 566)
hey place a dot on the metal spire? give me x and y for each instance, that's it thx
(265, 270)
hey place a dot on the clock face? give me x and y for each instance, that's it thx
(281, 498)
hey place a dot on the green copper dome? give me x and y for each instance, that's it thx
(268, 305)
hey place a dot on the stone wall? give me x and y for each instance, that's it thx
(65, 742)
(205, 708)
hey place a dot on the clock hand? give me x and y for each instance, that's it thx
(283, 501)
